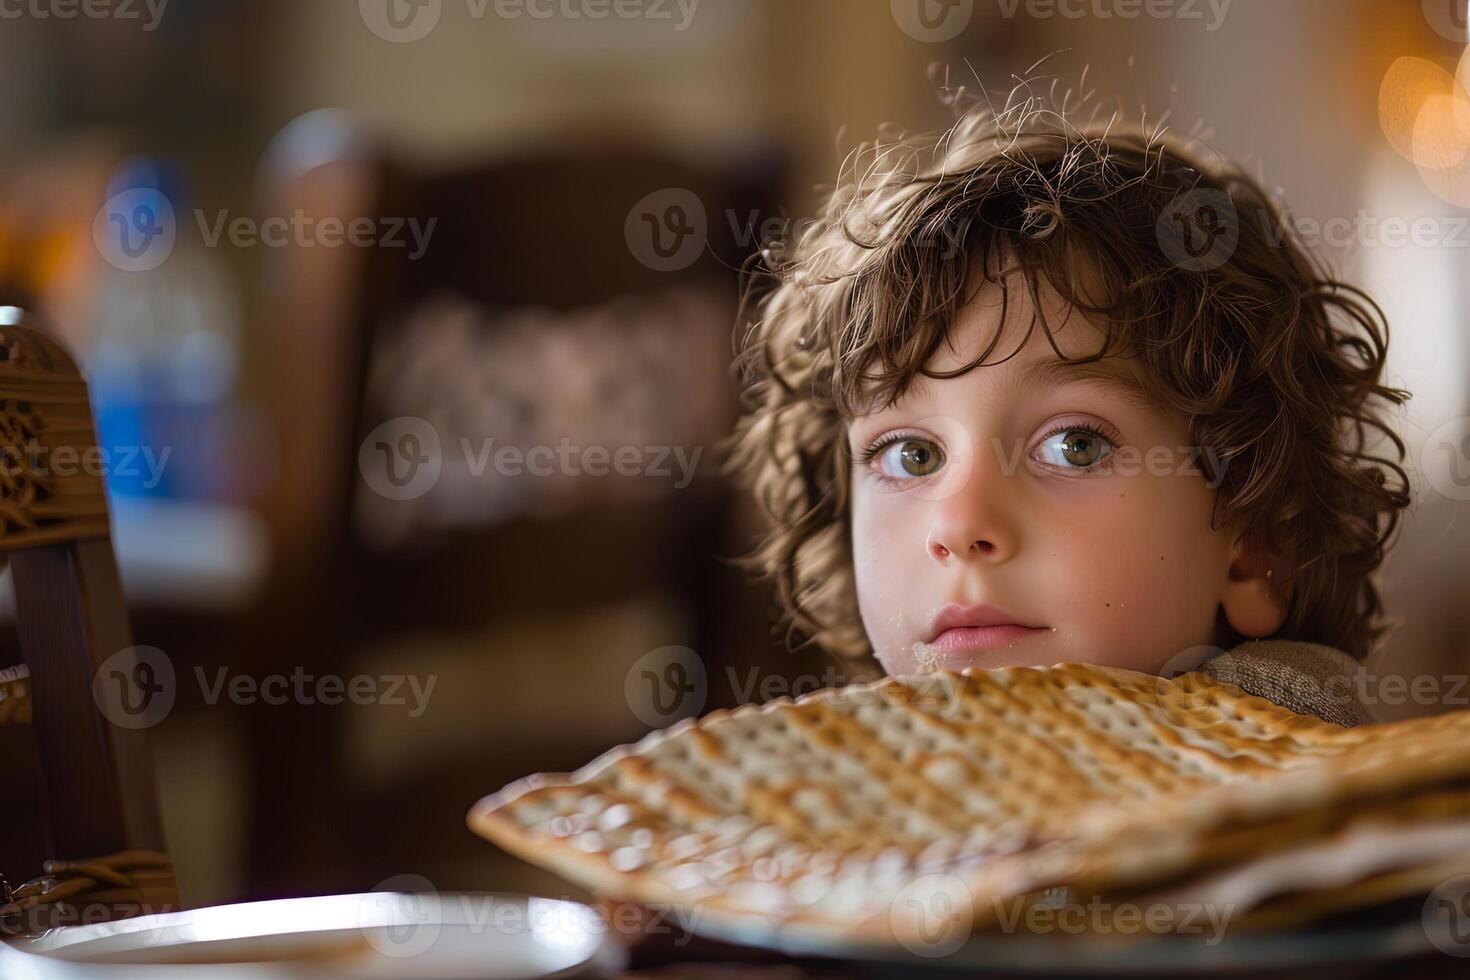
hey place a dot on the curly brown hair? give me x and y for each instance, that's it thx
(1182, 261)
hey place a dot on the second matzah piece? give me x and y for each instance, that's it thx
(1345, 829)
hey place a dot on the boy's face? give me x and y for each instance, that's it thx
(1057, 497)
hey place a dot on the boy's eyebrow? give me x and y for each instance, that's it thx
(1108, 373)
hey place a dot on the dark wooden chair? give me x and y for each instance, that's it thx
(102, 851)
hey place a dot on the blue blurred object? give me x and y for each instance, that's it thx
(161, 174)
(164, 350)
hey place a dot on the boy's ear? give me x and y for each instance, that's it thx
(1254, 604)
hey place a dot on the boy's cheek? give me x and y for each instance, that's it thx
(1158, 592)
(889, 572)
(880, 561)
(887, 531)
(1141, 565)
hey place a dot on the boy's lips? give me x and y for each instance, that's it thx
(959, 628)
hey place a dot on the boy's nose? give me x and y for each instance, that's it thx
(973, 519)
(978, 548)
(970, 526)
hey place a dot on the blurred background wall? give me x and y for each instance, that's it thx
(533, 133)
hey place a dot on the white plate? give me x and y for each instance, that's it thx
(353, 937)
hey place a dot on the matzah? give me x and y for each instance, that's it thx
(1013, 782)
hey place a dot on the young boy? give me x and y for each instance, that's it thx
(1031, 393)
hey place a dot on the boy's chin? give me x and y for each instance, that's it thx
(924, 659)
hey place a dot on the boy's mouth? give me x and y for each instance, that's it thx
(968, 628)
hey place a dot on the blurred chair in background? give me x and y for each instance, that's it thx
(561, 307)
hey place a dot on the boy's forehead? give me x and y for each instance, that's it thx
(979, 327)
(1016, 361)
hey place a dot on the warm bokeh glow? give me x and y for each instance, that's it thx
(1441, 135)
(1441, 142)
(1424, 113)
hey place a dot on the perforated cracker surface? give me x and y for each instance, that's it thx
(823, 809)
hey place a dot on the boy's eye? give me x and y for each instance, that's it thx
(907, 458)
(1075, 448)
